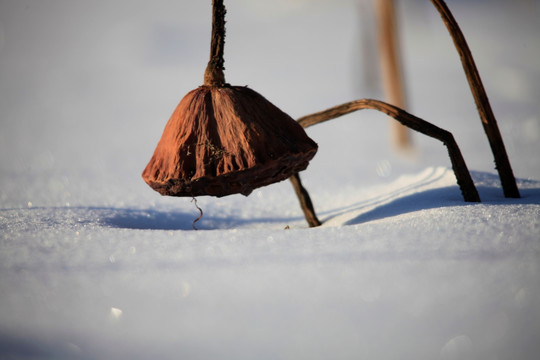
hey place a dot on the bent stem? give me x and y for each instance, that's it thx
(489, 122)
(463, 177)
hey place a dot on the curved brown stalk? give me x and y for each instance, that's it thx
(489, 122)
(463, 177)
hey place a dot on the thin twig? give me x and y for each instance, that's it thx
(193, 200)
(305, 201)
(489, 122)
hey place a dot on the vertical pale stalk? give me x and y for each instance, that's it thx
(391, 67)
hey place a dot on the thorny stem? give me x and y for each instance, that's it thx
(213, 75)
(489, 122)
(463, 177)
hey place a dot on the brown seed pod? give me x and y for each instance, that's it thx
(224, 139)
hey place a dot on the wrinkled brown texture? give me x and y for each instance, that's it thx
(226, 140)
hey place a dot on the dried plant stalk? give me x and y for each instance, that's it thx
(305, 201)
(391, 68)
(489, 122)
(463, 177)
(213, 75)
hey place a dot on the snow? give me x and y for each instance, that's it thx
(96, 265)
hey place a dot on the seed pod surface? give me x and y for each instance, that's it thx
(226, 140)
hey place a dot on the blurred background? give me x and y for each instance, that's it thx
(86, 87)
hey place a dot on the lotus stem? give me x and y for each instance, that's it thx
(391, 68)
(487, 117)
(213, 75)
(305, 201)
(463, 176)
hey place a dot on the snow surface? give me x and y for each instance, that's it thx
(96, 265)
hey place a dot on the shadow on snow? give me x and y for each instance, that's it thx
(149, 220)
(385, 206)
(440, 198)
(162, 220)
